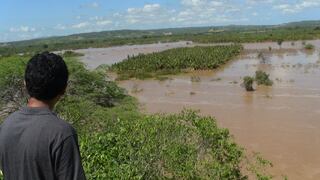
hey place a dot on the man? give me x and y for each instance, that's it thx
(34, 142)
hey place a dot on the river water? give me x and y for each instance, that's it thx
(281, 122)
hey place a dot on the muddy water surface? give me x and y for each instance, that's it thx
(282, 122)
(96, 56)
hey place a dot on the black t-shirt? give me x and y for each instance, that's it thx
(37, 145)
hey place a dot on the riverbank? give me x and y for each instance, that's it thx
(280, 121)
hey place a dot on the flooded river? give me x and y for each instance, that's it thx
(282, 122)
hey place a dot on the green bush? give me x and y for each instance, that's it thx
(262, 78)
(12, 84)
(309, 47)
(119, 142)
(180, 146)
(71, 54)
(248, 82)
(175, 60)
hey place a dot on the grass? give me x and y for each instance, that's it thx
(175, 61)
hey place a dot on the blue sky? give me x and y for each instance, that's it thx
(28, 19)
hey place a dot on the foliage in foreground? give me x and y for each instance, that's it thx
(119, 142)
(175, 60)
(181, 146)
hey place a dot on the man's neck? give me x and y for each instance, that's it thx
(35, 103)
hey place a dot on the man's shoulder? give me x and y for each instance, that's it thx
(61, 126)
(49, 122)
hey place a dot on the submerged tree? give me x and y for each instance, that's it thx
(262, 78)
(280, 41)
(248, 82)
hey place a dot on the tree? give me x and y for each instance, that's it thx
(262, 78)
(248, 82)
(280, 41)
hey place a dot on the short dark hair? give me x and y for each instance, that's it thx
(46, 76)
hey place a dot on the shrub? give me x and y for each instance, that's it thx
(175, 60)
(195, 79)
(248, 82)
(12, 90)
(279, 42)
(309, 46)
(179, 146)
(72, 54)
(262, 78)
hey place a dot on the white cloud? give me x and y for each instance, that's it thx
(60, 27)
(298, 6)
(192, 12)
(148, 8)
(149, 13)
(260, 1)
(90, 5)
(193, 2)
(80, 25)
(22, 29)
(208, 12)
(95, 5)
(151, 7)
(104, 22)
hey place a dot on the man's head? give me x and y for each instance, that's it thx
(46, 76)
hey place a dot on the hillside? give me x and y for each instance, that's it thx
(232, 33)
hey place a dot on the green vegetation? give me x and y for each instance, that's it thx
(12, 83)
(305, 30)
(195, 79)
(71, 54)
(248, 82)
(309, 46)
(262, 78)
(279, 42)
(119, 142)
(175, 61)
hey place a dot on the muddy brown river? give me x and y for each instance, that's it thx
(281, 122)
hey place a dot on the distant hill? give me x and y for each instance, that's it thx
(208, 34)
(315, 23)
(160, 32)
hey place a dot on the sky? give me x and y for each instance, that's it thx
(29, 19)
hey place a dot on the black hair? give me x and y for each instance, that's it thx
(46, 76)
